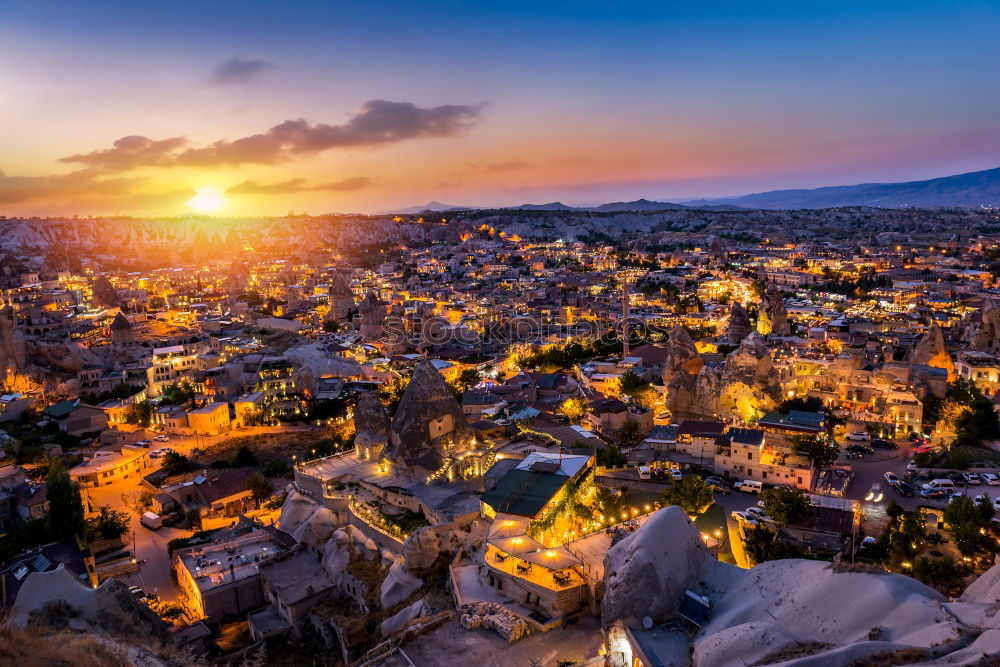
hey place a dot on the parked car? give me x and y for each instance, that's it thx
(157, 453)
(989, 479)
(971, 478)
(940, 484)
(162, 438)
(912, 466)
(891, 477)
(875, 493)
(744, 519)
(141, 443)
(880, 443)
(934, 493)
(137, 591)
(904, 489)
(757, 513)
(718, 485)
(867, 543)
(859, 449)
(644, 472)
(996, 504)
(676, 474)
(750, 486)
(859, 436)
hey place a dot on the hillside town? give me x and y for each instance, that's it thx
(688, 441)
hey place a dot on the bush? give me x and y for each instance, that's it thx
(691, 494)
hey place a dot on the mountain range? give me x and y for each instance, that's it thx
(973, 189)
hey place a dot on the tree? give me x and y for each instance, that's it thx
(468, 379)
(941, 572)
(244, 458)
(967, 520)
(785, 504)
(108, 524)
(139, 413)
(65, 517)
(174, 463)
(574, 408)
(259, 488)
(611, 456)
(822, 452)
(691, 494)
(760, 545)
(629, 434)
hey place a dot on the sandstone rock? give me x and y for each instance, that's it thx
(341, 298)
(739, 324)
(428, 424)
(371, 426)
(421, 549)
(931, 351)
(396, 622)
(682, 355)
(773, 317)
(398, 585)
(647, 573)
(103, 294)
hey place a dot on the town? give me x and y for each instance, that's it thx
(629, 437)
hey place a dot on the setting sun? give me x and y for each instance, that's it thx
(206, 200)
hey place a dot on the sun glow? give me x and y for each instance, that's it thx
(207, 199)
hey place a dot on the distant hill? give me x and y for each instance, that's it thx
(977, 188)
(435, 206)
(551, 206)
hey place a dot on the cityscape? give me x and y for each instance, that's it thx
(700, 378)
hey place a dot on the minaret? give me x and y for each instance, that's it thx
(625, 316)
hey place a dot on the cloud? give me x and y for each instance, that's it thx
(83, 183)
(377, 122)
(494, 167)
(130, 152)
(239, 70)
(298, 185)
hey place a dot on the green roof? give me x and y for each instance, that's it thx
(524, 492)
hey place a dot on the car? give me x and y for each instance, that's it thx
(912, 466)
(996, 504)
(867, 543)
(859, 449)
(757, 513)
(971, 478)
(880, 443)
(162, 438)
(137, 591)
(859, 436)
(891, 478)
(750, 486)
(744, 519)
(914, 436)
(904, 489)
(989, 479)
(141, 443)
(717, 484)
(982, 497)
(676, 474)
(157, 453)
(644, 472)
(875, 493)
(933, 493)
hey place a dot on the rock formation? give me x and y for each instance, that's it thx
(747, 384)
(739, 324)
(371, 426)
(371, 312)
(931, 351)
(981, 329)
(793, 612)
(428, 424)
(13, 352)
(341, 298)
(121, 330)
(773, 317)
(103, 294)
(682, 355)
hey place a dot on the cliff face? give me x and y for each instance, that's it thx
(371, 426)
(739, 324)
(682, 355)
(931, 351)
(428, 424)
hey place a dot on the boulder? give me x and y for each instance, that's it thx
(398, 585)
(739, 326)
(421, 549)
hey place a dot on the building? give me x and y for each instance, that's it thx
(211, 419)
(106, 467)
(76, 418)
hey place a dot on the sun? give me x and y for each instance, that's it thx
(207, 199)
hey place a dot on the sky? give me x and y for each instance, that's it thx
(263, 107)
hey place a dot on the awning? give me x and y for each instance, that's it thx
(557, 558)
(508, 526)
(516, 546)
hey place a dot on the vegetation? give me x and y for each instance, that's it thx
(611, 456)
(260, 489)
(629, 434)
(175, 464)
(822, 452)
(65, 517)
(785, 504)
(574, 409)
(942, 572)
(760, 545)
(109, 524)
(968, 519)
(691, 494)
(139, 413)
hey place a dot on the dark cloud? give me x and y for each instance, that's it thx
(239, 70)
(378, 122)
(130, 152)
(298, 185)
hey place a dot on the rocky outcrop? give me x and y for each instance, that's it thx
(428, 424)
(739, 326)
(103, 294)
(931, 351)
(746, 385)
(682, 355)
(773, 317)
(341, 298)
(13, 352)
(981, 328)
(371, 426)
(421, 549)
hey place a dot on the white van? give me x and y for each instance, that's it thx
(750, 486)
(939, 485)
(151, 520)
(644, 472)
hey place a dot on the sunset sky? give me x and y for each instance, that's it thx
(367, 106)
